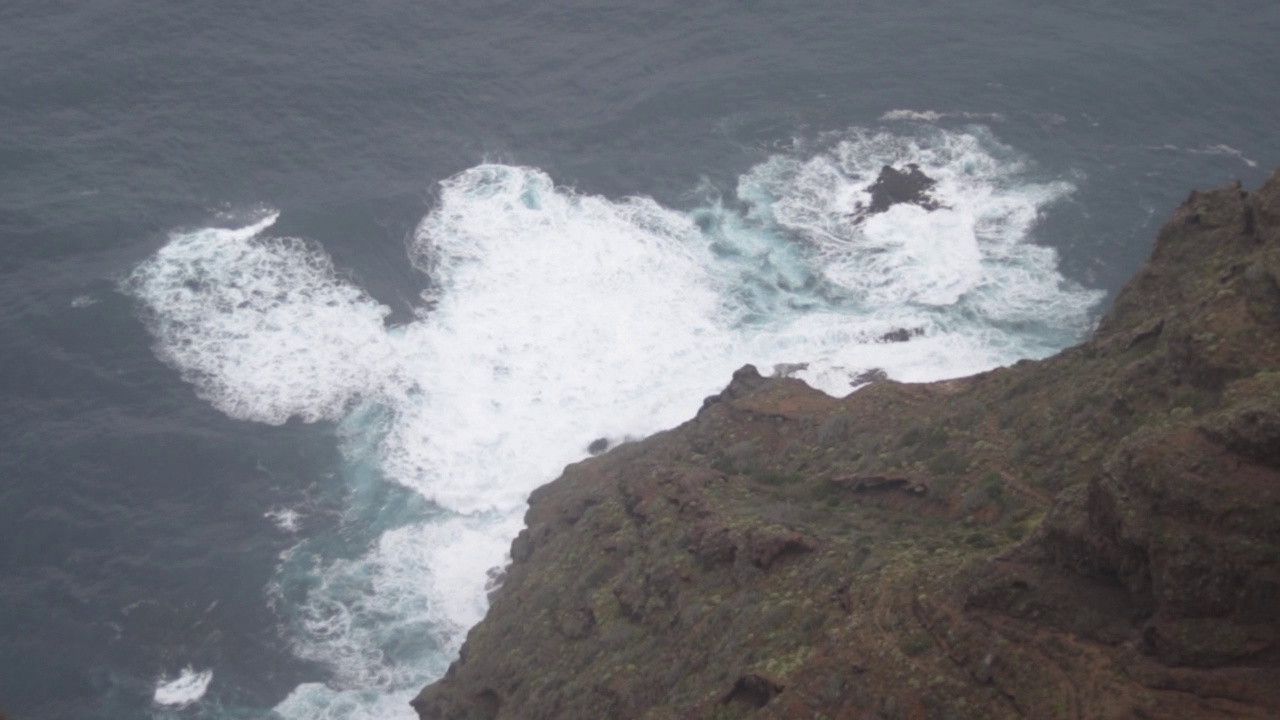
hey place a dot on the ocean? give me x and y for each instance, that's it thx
(299, 301)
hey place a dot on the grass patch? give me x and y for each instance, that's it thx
(1197, 401)
(948, 463)
(771, 477)
(916, 643)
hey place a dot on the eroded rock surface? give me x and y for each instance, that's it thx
(1096, 535)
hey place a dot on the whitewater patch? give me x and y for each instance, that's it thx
(933, 116)
(262, 327)
(1216, 149)
(968, 275)
(557, 317)
(287, 519)
(178, 692)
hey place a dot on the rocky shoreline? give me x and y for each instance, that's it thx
(1094, 535)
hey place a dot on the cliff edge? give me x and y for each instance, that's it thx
(1095, 535)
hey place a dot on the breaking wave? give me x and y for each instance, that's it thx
(179, 692)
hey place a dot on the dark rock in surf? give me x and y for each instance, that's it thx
(901, 335)
(598, 446)
(896, 187)
(869, 376)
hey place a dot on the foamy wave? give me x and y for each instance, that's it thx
(188, 687)
(1228, 151)
(1218, 149)
(559, 318)
(958, 273)
(287, 519)
(263, 327)
(933, 116)
(419, 584)
(318, 701)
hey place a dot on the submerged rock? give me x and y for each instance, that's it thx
(1094, 535)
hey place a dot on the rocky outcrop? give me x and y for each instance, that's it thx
(898, 187)
(1096, 535)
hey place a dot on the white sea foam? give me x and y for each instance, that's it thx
(1217, 149)
(959, 273)
(188, 687)
(287, 519)
(411, 598)
(263, 327)
(559, 317)
(1229, 151)
(933, 116)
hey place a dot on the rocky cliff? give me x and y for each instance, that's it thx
(1096, 535)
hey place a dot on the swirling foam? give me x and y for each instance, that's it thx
(263, 327)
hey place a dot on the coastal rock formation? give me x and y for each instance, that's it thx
(1095, 535)
(896, 187)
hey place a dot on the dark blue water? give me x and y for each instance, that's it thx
(133, 541)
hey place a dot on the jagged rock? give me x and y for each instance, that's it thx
(897, 187)
(1095, 535)
(901, 335)
(869, 376)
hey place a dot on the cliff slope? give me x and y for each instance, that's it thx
(1096, 535)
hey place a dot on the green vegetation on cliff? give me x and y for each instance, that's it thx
(1096, 535)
